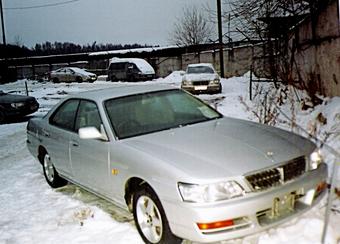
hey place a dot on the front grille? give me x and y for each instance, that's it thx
(201, 83)
(278, 175)
(264, 179)
(294, 168)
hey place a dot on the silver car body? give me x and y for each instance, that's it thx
(201, 78)
(71, 74)
(222, 149)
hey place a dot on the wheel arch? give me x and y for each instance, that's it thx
(41, 153)
(131, 186)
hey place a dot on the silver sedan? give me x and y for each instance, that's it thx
(71, 74)
(183, 169)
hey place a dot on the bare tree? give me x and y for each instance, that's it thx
(272, 21)
(246, 15)
(17, 40)
(192, 28)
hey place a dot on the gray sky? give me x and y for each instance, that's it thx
(86, 21)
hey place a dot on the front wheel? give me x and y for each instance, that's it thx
(51, 175)
(79, 79)
(55, 80)
(2, 117)
(150, 218)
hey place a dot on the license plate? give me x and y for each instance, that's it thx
(200, 88)
(283, 205)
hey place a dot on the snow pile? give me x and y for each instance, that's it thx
(32, 212)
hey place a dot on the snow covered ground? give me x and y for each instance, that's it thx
(32, 212)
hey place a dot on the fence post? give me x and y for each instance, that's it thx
(329, 199)
(251, 83)
(26, 87)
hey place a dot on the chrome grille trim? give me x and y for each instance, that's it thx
(269, 178)
(200, 83)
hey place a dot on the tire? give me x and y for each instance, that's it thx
(79, 79)
(130, 78)
(55, 80)
(113, 78)
(2, 117)
(51, 175)
(150, 218)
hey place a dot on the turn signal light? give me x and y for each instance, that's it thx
(321, 186)
(215, 225)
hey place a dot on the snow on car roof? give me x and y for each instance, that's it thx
(143, 65)
(201, 64)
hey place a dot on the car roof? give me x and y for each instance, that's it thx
(201, 64)
(121, 91)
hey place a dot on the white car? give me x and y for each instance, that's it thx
(201, 78)
(70, 74)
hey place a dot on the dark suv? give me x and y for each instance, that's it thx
(130, 69)
(16, 106)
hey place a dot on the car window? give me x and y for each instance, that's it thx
(117, 66)
(146, 113)
(88, 115)
(64, 116)
(200, 70)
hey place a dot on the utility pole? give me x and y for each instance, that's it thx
(220, 36)
(2, 24)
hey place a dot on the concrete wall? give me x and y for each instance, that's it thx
(237, 61)
(318, 59)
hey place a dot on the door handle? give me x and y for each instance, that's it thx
(75, 143)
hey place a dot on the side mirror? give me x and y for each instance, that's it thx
(91, 133)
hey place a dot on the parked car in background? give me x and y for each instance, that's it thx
(72, 74)
(182, 168)
(129, 69)
(201, 78)
(16, 106)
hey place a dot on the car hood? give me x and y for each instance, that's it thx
(221, 148)
(200, 77)
(12, 98)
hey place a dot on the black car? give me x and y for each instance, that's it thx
(16, 105)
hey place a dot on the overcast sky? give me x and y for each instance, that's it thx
(86, 21)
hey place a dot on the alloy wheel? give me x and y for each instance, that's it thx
(149, 219)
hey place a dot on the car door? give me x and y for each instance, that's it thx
(57, 135)
(69, 75)
(62, 75)
(121, 72)
(90, 157)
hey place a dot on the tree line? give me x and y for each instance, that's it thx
(57, 48)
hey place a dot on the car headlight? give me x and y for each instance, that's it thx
(17, 105)
(186, 83)
(216, 81)
(210, 192)
(315, 159)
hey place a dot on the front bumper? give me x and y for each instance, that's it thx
(198, 89)
(252, 213)
(91, 78)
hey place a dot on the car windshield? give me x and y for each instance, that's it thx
(200, 70)
(150, 112)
